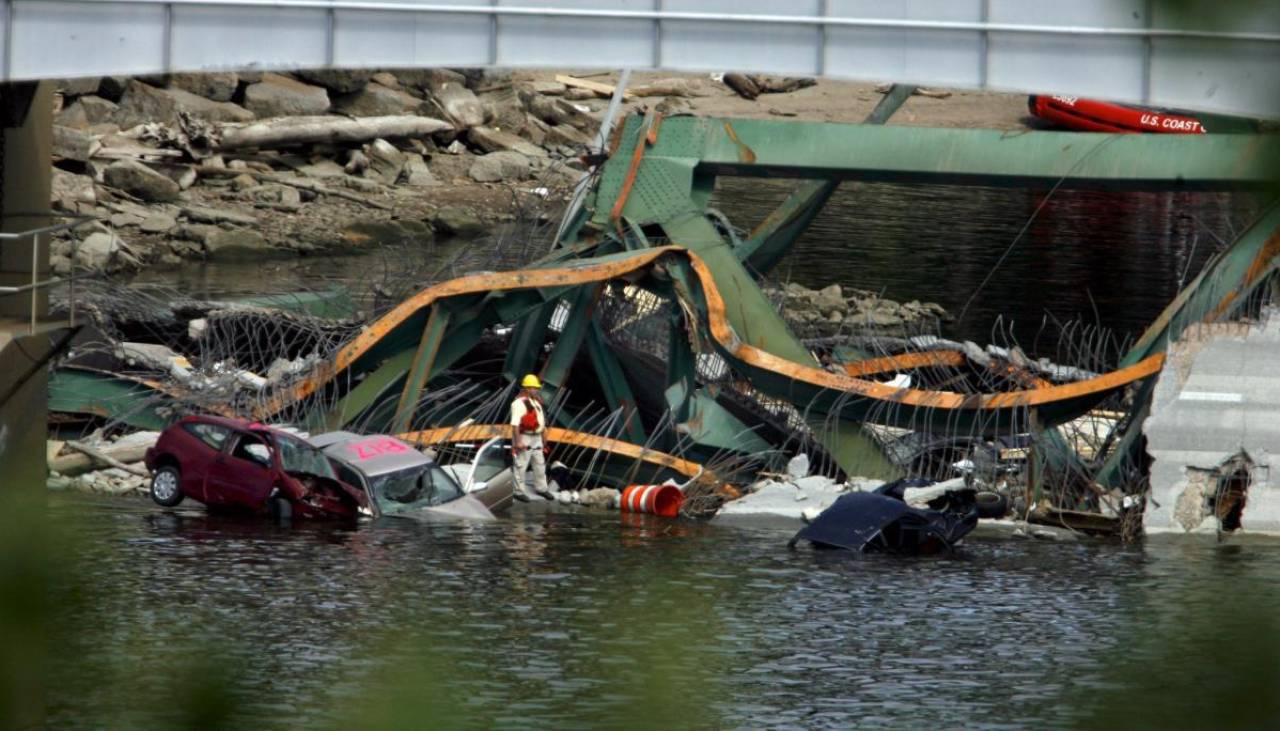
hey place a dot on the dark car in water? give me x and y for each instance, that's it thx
(397, 478)
(235, 464)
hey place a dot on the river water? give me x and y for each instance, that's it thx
(1113, 259)
(559, 619)
(1101, 258)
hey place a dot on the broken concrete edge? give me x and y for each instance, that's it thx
(1217, 480)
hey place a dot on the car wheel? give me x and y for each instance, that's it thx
(280, 509)
(166, 486)
(991, 504)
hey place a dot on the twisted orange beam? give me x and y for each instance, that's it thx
(556, 435)
(722, 331)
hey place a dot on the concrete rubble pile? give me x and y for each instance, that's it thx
(833, 310)
(95, 464)
(210, 166)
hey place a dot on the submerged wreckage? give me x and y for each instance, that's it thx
(682, 367)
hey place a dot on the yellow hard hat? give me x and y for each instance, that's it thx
(531, 381)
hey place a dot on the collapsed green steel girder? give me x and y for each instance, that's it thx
(613, 381)
(656, 188)
(93, 393)
(678, 170)
(421, 367)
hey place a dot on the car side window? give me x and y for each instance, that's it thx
(346, 474)
(252, 449)
(211, 434)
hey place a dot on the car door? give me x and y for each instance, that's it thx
(243, 474)
(200, 445)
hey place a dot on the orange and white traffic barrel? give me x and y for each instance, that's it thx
(664, 500)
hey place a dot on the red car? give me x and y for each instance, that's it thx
(236, 464)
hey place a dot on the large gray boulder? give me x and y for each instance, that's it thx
(72, 193)
(73, 144)
(204, 214)
(427, 78)
(280, 96)
(501, 166)
(219, 86)
(385, 162)
(457, 104)
(113, 87)
(78, 87)
(100, 250)
(238, 245)
(141, 181)
(376, 100)
(460, 222)
(417, 174)
(491, 139)
(830, 299)
(142, 103)
(86, 112)
(339, 81)
(552, 111)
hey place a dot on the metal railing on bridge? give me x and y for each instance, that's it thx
(1143, 51)
(39, 238)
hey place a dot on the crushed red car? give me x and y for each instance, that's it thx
(235, 464)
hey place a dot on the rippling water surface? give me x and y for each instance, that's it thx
(555, 619)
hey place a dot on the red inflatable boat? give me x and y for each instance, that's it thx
(1086, 115)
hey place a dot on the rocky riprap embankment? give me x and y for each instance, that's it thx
(150, 157)
(835, 310)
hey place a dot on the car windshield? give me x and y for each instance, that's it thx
(301, 458)
(413, 488)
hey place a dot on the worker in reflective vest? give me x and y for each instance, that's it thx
(528, 423)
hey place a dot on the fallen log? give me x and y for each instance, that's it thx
(743, 85)
(91, 458)
(750, 86)
(918, 91)
(292, 182)
(604, 90)
(289, 131)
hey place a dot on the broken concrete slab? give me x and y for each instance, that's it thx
(1213, 430)
(772, 502)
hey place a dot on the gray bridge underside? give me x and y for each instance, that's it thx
(1194, 54)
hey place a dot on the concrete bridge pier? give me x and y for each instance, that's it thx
(26, 125)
